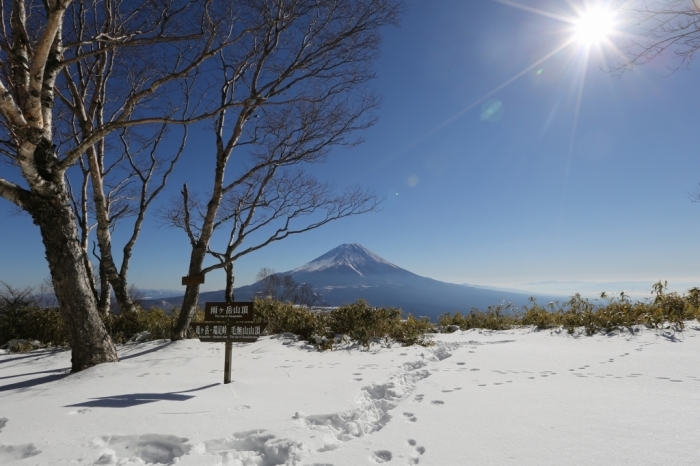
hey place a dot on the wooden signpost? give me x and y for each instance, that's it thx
(229, 323)
(193, 280)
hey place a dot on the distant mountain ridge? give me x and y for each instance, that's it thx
(350, 272)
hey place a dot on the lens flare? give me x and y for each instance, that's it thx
(593, 26)
(492, 110)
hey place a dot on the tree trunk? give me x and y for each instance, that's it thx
(189, 302)
(121, 293)
(90, 343)
(104, 302)
(229, 283)
(104, 240)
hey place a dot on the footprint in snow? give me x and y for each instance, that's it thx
(437, 402)
(149, 448)
(80, 411)
(418, 398)
(410, 417)
(11, 453)
(252, 447)
(418, 451)
(382, 456)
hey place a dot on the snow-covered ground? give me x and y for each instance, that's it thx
(516, 397)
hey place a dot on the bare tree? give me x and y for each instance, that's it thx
(280, 205)
(12, 298)
(264, 277)
(269, 206)
(306, 295)
(57, 56)
(285, 288)
(123, 188)
(280, 287)
(299, 86)
(263, 273)
(655, 26)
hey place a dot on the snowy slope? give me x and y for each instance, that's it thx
(478, 397)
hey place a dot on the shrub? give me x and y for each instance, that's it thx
(156, 322)
(616, 313)
(358, 321)
(22, 318)
(287, 317)
(32, 323)
(412, 331)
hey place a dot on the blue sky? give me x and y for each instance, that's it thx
(497, 200)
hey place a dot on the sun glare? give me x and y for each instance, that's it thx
(593, 26)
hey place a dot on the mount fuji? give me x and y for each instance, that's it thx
(350, 272)
(350, 265)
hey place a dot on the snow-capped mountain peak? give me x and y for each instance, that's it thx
(352, 258)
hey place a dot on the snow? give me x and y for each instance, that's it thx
(477, 397)
(353, 256)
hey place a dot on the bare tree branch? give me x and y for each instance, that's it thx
(13, 193)
(655, 27)
(72, 75)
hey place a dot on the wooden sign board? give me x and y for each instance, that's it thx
(193, 280)
(212, 332)
(245, 333)
(230, 312)
(230, 323)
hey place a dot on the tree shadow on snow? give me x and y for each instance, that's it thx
(34, 382)
(135, 399)
(64, 371)
(150, 350)
(32, 354)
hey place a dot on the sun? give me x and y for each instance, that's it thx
(593, 26)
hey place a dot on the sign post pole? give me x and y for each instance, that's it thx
(229, 323)
(227, 361)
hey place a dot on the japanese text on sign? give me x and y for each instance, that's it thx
(229, 310)
(247, 330)
(235, 311)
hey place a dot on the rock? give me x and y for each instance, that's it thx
(140, 337)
